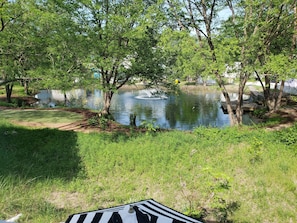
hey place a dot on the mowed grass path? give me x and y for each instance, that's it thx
(242, 174)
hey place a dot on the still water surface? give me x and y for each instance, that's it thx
(183, 112)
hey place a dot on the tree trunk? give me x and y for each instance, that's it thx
(233, 120)
(107, 103)
(267, 89)
(26, 86)
(133, 120)
(279, 97)
(8, 88)
(273, 101)
(65, 99)
(269, 100)
(239, 111)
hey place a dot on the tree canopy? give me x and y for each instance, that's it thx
(61, 43)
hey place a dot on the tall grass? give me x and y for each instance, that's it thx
(239, 174)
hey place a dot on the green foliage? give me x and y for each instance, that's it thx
(280, 66)
(100, 121)
(288, 136)
(256, 151)
(217, 184)
(54, 41)
(150, 126)
(93, 121)
(260, 112)
(194, 213)
(207, 133)
(293, 98)
(103, 122)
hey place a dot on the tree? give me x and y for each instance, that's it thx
(252, 30)
(200, 16)
(275, 60)
(122, 38)
(10, 63)
(186, 59)
(278, 67)
(267, 33)
(40, 42)
(61, 66)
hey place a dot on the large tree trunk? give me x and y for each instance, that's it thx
(107, 103)
(279, 97)
(8, 88)
(273, 100)
(239, 110)
(233, 120)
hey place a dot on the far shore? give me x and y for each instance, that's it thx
(187, 87)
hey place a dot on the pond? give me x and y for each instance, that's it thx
(184, 111)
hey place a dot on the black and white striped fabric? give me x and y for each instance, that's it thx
(147, 211)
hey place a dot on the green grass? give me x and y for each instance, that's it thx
(47, 116)
(17, 90)
(241, 174)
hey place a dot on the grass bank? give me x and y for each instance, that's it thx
(238, 174)
(43, 116)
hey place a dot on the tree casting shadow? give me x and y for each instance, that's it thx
(38, 153)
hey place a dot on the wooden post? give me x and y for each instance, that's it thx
(133, 120)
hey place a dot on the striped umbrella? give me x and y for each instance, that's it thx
(146, 211)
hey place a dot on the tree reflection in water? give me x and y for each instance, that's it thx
(184, 111)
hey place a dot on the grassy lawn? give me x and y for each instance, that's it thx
(243, 174)
(46, 116)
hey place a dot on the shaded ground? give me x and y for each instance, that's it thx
(286, 116)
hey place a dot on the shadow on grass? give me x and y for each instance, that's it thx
(38, 153)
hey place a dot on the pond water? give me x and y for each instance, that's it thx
(184, 111)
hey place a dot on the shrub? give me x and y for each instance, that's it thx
(93, 121)
(259, 113)
(149, 126)
(288, 136)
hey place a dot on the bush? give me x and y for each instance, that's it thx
(288, 136)
(259, 113)
(149, 126)
(102, 122)
(93, 121)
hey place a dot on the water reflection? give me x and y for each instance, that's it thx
(189, 111)
(184, 111)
